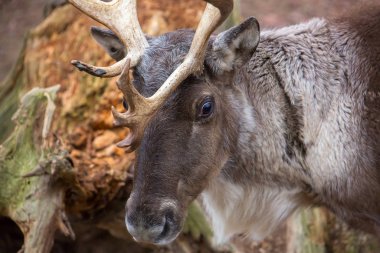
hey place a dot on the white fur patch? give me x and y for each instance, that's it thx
(254, 212)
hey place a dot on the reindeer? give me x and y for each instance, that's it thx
(258, 124)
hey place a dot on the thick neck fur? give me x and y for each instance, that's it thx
(301, 138)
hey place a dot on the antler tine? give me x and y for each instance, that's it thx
(110, 71)
(131, 95)
(132, 140)
(121, 17)
(136, 117)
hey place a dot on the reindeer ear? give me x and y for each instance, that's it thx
(109, 41)
(233, 48)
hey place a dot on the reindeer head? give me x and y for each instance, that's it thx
(182, 124)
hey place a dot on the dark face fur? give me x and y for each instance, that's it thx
(190, 137)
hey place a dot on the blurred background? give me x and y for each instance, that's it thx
(38, 40)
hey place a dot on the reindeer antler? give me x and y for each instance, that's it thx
(140, 108)
(121, 17)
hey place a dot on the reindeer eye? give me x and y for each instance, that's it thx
(125, 105)
(206, 108)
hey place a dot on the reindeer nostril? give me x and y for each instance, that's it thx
(165, 230)
(168, 223)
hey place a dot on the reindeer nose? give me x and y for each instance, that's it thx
(152, 228)
(147, 232)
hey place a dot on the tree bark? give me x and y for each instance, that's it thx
(33, 178)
